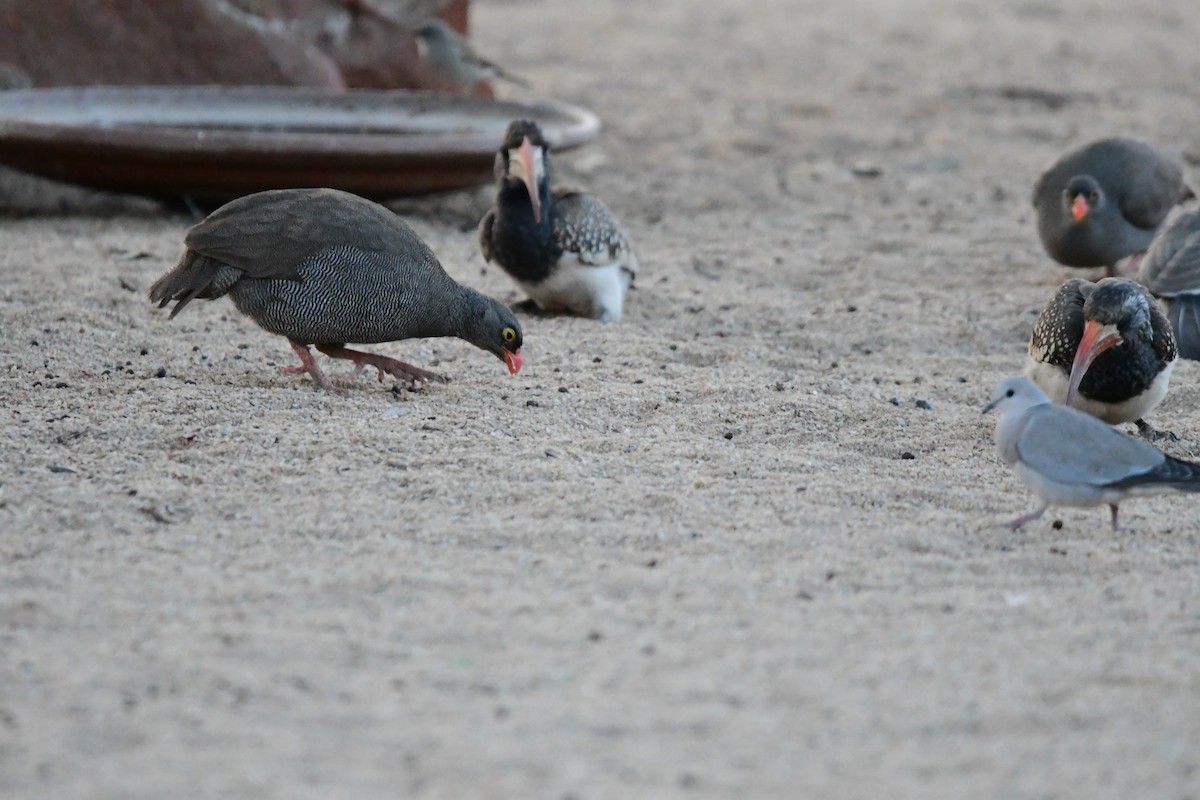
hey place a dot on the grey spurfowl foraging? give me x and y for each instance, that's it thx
(1105, 200)
(1069, 458)
(324, 267)
(1171, 271)
(452, 58)
(1105, 348)
(563, 246)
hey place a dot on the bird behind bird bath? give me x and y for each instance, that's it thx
(451, 57)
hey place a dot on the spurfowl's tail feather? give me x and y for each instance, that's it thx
(194, 276)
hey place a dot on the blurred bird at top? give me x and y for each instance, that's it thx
(1105, 200)
(451, 58)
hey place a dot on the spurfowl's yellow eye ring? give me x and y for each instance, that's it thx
(509, 335)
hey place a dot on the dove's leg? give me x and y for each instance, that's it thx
(1030, 517)
(403, 371)
(309, 364)
(1113, 508)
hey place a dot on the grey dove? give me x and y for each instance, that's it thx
(323, 267)
(562, 246)
(1069, 458)
(451, 57)
(1105, 200)
(1171, 271)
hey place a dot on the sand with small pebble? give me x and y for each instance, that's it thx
(743, 543)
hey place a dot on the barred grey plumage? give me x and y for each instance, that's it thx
(324, 267)
(563, 246)
(1171, 271)
(1105, 200)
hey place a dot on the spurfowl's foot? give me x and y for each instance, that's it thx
(399, 369)
(1150, 433)
(309, 364)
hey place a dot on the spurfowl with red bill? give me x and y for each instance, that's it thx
(1104, 201)
(324, 267)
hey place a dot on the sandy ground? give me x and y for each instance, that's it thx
(682, 555)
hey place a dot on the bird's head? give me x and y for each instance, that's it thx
(1015, 394)
(490, 325)
(1116, 310)
(524, 159)
(1082, 197)
(433, 32)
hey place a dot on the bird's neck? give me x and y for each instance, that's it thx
(515, 209)
(465, 315)
(527, 249)
(462, 309)
(1008, 430)
(443, 314)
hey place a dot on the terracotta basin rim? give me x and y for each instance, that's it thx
(221, 119)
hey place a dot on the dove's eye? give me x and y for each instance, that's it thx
(509, 335)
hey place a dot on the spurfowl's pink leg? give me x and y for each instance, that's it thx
(308, 364)
(399, 369)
